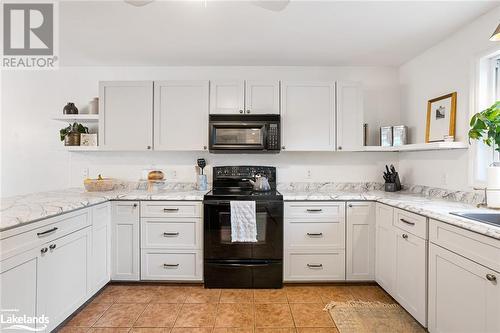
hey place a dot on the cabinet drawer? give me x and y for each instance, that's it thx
(315, 266)
(125, 211)
(171, 233)
(303, 234)
(413, 223)
(60, 226)
(479, 248)
(333, 211)
(170, 209)
(171, 265)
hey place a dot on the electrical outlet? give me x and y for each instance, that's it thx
(308, 174)
(174, 174)
(85, 173)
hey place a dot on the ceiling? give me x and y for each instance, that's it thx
(308, 33)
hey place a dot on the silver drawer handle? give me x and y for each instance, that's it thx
(314, 265)
(311, 210)
(170, 265)
(170, 234)
(312, 234)
(405, 236)
(44, 250)
(491, 277)
(166, 210)
(407, 222)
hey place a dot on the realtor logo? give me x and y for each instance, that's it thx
(28, 35)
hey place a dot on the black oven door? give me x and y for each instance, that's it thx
(237, 136)
(217, 233)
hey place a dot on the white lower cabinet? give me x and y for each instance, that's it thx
(100, 272)
(360, 241)
(464, 294)
(171, 265)
(125, 240)
(385, 248)
(63, 276)
(410, 289)
(401, 261)
(171, 241)
(18, 283)
(314, 236)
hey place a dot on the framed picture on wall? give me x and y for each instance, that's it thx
(441, 117)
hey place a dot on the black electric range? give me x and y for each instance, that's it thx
(229, 264)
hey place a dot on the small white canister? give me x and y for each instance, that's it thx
(94, 106)
(493, 186)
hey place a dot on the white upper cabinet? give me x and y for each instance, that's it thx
(227, 97)
(349, 116)
(308, 116)
(262, 97)
(181, 114)
(126, 115)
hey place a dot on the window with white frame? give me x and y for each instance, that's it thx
(487, 92)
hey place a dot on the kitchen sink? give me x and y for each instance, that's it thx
(489, 218)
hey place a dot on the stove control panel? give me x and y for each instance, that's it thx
(234, 173)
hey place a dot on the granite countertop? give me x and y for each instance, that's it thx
(23, 209)
(434, 203)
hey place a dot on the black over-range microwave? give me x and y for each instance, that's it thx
(244, 133)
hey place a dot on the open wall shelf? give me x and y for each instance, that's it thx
(420, 147)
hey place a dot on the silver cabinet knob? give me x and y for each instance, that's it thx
(52, 246)
(283, 147)
(44, 250)
(340, 148)
(241, 111)
(491, 277)
(405, 236)
(148, 147)
(204, 147)
(350, 205)
(134, 205)
(248, 111)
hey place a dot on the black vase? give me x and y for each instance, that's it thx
(70, 108)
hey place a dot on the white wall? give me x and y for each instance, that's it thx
(33, 158)
(442, 69)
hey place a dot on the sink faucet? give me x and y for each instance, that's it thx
(485, 200)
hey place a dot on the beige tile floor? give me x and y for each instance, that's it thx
(192, 309)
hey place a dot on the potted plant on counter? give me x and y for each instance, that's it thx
(485, 126)
(71, 134)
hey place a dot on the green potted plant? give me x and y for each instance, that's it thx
(71, 134)
(485, 126)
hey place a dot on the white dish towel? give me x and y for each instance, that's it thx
(243, 221)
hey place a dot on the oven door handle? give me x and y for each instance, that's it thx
(245, 265)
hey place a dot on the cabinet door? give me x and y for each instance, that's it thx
(125, 240)
(18, 278)
(262, 97)
(360, 241)
(411, 275)
(349, 116)
(101, 247)
(308, 116)
(64, 272)
(181, 115)
(227, 97)
(385, 248)
(461, 298)
(126, 115)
